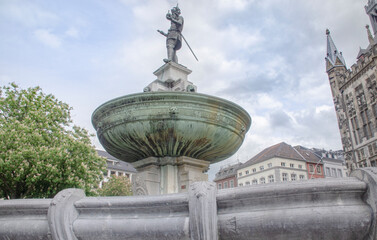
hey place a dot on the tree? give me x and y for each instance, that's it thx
(41, 151)
(116, 186)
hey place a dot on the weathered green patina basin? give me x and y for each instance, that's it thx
(160, 124)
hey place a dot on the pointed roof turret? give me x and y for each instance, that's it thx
(370, 37)
(334, 58)
(371, 10)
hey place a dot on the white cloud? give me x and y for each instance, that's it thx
(47, 38)
(72, 32)
(26, 13)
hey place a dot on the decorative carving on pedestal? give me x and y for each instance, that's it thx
(138, 186)
(62, 213)
(203, 211)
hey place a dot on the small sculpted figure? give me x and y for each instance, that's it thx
(173, 37)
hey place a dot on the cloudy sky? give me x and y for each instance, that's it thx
(267, 56)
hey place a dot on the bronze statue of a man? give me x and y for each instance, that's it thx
(173, 37)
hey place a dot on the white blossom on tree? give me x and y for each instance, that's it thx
(41, 151)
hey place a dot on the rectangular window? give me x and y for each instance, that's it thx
(225, 184)
(219, 186)
(254, 169)
(271, 178)
(269, 165)
(247, 172)
(311, 168)
(283, 164)
(293, 177)
(328, 172)
(254, 182)
(374, 106)
(340, 174)
(120, 174)
(262, 180)
(247, 183)
(112, 173)
(370, 149)
(300, 166)
(302, 177)
(291, 165)
(285, 177)
(333, 172)
(231, 183)
(362, 153)
(319, 170)
(240, 174)
(241, 184)
(261, 167)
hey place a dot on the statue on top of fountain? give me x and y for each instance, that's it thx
(174, 35)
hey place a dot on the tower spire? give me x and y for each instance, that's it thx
(333, 57)
(371, 10)
(370, 37)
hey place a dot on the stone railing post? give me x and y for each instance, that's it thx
(62, 213)
(203, 211)
(369, 176)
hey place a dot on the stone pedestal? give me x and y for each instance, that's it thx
(168, 174)
(171, 77)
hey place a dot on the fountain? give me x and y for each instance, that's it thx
(169, 132)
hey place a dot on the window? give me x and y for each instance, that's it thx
(254, 182)
(231, 183)
(285, 177)
(254, 169)
(269, 165)
(293, 177)
(247, 183)
(105, 173)
(362, 153)
(328, 172)
(333, 172)
(219, 186)
(291, 165)
(262, 180)
(340, 174)
(225, 184)
(302, 177)
(247, 172)
(119, 174)
(271, 178)
(112, 173)
(240, 174)
(283, 164)
(261, 167)
(311, 168)
(300, 166)
(241, 184)
(370, 149)
(319, 170)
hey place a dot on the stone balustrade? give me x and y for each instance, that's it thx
(343, 208)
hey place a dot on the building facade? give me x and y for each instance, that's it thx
(333, 163)
(227, 176)
(115, 167)
(278, 163)
(314, 165)
(354, 92)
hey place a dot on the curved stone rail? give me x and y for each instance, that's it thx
(316, 209)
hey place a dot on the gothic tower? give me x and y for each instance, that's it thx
(336, 70)
(354, 93)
